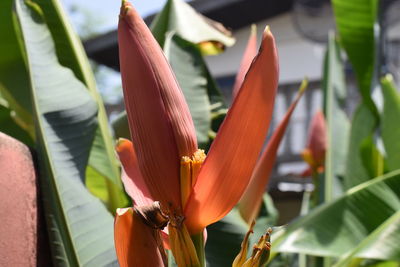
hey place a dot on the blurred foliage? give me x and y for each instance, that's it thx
(360, 223)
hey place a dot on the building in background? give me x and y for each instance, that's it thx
(301, 28)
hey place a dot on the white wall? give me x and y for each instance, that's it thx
(297, 56)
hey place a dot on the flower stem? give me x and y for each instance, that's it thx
(198, 241)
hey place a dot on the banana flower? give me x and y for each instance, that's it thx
(314, 153)
(165, 164)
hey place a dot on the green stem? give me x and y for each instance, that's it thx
(198, 241)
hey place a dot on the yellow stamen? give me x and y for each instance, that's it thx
(197, 160)
(186, 179)
(190, 168)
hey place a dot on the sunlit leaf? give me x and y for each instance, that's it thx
(362, 125)
(355, 22)
(390, 122)
(372, 158)
(102, 158)
(180, 17)
(380, 244)
(14, 80)
(338, 227)
(338, 125)
(80, 228)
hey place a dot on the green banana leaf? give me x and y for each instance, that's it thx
(380, 244)
(355, 22)
(390, 122)
(180, 17)
(338, 227)
(69, 49)
(14, 80)
(338, 125)
(103, 173)
(372, 158)
(80, 227)
(363, 124)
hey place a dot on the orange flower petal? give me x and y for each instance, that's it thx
(135, 242)
(131, 177)
(250, 203)
(159, 119)
(248, 56)
(233, 155)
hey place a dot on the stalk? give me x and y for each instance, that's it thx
(198, 241)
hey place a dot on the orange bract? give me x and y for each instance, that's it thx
(227, 169)
(164, 149)
(249, 53)
(136, 244)
(314, 153)
(160, 123)
(250, 203)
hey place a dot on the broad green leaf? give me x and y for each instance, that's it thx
(390, 122)
(338, 227)
(372, 159)
(378, 263)
(69, 49)
(80, 227)
(103, 173)
(338, 125)
(180, 17)
(191, 73)
(14, 80)
(355, 22)
(102, 158)
(383, 243)
(362, 126)
(95, 185)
